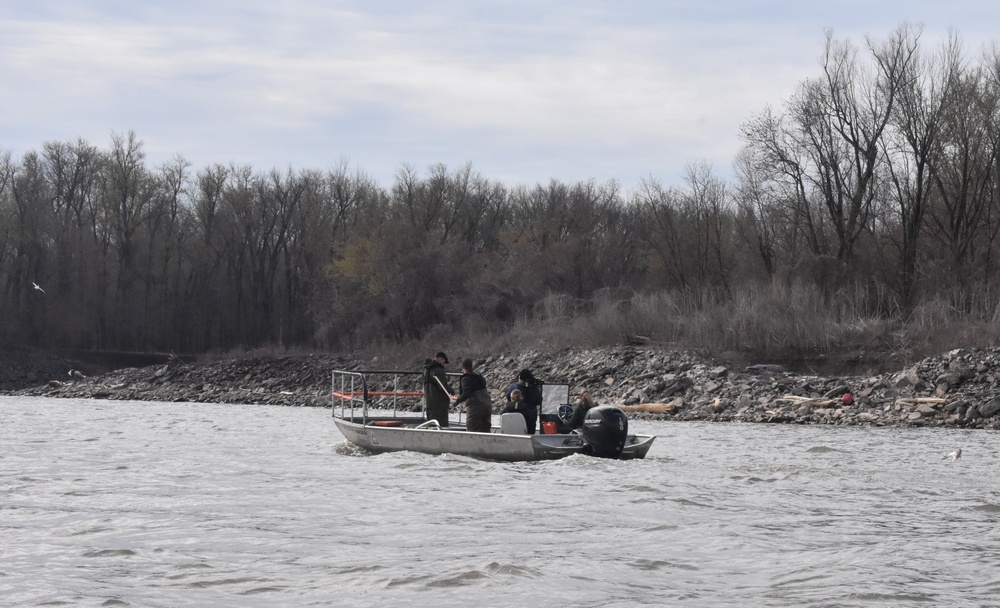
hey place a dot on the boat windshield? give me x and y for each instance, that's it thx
(554, 396)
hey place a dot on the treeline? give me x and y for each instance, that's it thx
(870, 195)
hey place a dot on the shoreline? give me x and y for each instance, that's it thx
(957, 389)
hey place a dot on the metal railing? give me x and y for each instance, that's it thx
(344, 387)
(355, 390)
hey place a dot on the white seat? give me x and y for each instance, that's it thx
(513, 423)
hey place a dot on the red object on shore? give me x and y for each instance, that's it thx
(847, 399)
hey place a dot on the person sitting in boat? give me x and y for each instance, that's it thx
(581, 409)
(437, 391)
(531, 398)
(515, 403)
(476, 397)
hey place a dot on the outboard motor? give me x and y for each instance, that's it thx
(605, 429)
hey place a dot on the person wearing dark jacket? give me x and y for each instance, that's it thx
(531, 398)
(476, 397)
(437, 391)
(580, 412)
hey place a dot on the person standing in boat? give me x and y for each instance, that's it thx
(531, 398)
(437, 391)
(476, 397)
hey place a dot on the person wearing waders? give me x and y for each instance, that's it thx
(437, 391)
(476, 397)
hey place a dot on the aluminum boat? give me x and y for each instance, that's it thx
(381, 411)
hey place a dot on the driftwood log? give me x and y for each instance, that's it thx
(810, 401)
(651, 408)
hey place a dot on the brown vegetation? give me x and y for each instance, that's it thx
(863, 221)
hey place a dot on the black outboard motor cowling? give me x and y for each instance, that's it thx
(605, 429)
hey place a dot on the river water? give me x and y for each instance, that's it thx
(110, 503)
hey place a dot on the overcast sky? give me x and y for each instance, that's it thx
(525, 90)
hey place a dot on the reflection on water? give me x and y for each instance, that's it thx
(171, 504)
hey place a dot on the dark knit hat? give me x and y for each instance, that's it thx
(526, 376)
(468, 365)
(441, 355)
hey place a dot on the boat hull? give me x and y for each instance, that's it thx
(492, 446)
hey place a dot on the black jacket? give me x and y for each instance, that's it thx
(469, 383)
(433, 394)
(531, 395)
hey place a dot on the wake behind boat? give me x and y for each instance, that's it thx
(378, 411)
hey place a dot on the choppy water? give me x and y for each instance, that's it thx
(169, 504)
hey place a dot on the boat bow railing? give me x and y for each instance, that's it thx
(353, 391)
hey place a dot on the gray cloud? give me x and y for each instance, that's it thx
(527, 91)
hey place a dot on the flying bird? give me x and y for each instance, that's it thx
(953, 455)
(35, 285)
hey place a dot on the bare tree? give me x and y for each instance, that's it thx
(757, 222)
(828, 145)
(206, 291)
(783, 166)
(844, 116)
(661, 230)
(965, 172)
(31, 227)
(128, 190)
(912, 149)
(165, 304)
(708, 225)
(9, 311)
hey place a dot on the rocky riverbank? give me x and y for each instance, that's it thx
(958, 388)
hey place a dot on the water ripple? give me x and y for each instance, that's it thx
(109, 553)
(202, 504)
